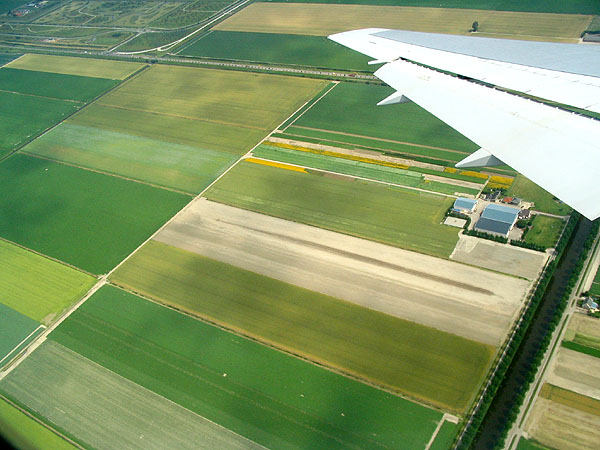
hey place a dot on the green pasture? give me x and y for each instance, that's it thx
(176, 166)
(586, 341)
(572, 345)
(265, 395)
(546, 6)
(530, 444)
(392, 215)
(94, 405)
(190, 12)
(5, 58)
(398, 354)
(84, 218)
(24, 432)
(14, 328)
(38, 287)
(292, 49)
(153, 39)
(394, 175)
(544, 231)
(352, 108)
(595, 289)
(544, 201)
(177, 130)
(248, 100)
(445, 437)
(69, 65)
(23, 117)
(53, 85)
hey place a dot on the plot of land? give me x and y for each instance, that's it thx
(502, 258)
(595, 289)
(315, 51)
(545, 231)
(36, 286)
(177, 166)
(24, 432)
(437, 293)
(78, 395)
(322, 20)
(401, 355)
(14, 329)
(260, 393)
(84, 218)
(584, 331)
(544, 201)
(404, 218)
(576, 372)
(86, 67)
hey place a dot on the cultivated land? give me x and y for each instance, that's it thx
(545, 231)
(176, 166)
(260, 393)
(99, 68)
(84, 218)
(404, 218)
(595, 289)
(53, 85)
(14, 328)
(544, 201)
(502, 258)
(78, 395)
(322, 20)
(401, 355)
(583, 335)
(24, 432)
(576, 372)
(315, 51)
(434, 292)
(37, 286)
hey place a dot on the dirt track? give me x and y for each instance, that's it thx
(449, 296)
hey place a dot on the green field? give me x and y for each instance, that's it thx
(84, 218)
(75, 394)
(36, 286)
(176, 166)
(191, 12)
(14, 328)
(25, 433)
(5, 58)
(53, 85)
(265, 395)
(545, 231)
(153, 39)
(24, 116)
(352, 108)
(595, 289)
(396, 216)
(529, 444)
(587, 341)
(443, 440)
(595, 352)
(377, 172)
(85, 67)
(544, 201)
(314, 51)
(401, 355)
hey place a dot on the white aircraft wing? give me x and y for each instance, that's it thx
(557, 149)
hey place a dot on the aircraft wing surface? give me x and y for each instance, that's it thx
(556, 149)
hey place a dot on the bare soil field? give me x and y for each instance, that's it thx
(322, 20)
(563, 427)
(452, 297)
(576, 372)
(502, 258)
(585, 325)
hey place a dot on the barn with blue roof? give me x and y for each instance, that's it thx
(497, 219)
(464, 205)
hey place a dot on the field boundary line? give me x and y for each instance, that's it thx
(435, 432)
(44, 96)
(20, 343)
(334, 84)
(8, 62)
(192, 42)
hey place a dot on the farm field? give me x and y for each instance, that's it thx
(190, 12)
(176, 166)
(437, 293)
(501, 258)
(350, 111)
(5, 58)
(526, 189)
(75, 394)
(24, 432)
(153, 39)
(545, 231)
(38, 287)
(529, 444)
(14, 328)
(445, 436)
(366, 343)
(595, 289)
(85, 67)
(227, 379)
(314, 51)
(84, 218)
(396, 216)
(583, 331)
(322, 20)
(400, 176)
(577, 372)
(53, 85)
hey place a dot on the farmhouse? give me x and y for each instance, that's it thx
(497, 219)
(464, 205)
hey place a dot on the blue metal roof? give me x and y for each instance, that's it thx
(493, 226)
(464, 203)
(501, 213)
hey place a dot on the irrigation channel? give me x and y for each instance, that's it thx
(496, 418)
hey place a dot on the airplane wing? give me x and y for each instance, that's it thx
(556, 149)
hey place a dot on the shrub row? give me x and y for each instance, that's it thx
(531, 245)
(488, 236)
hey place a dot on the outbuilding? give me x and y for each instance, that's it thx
(464, 205)
(497, 219)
